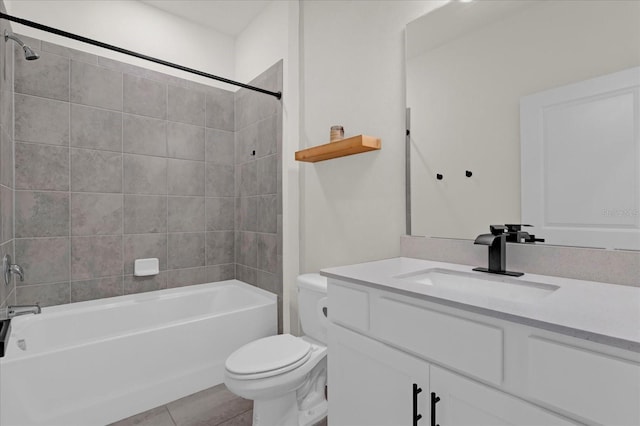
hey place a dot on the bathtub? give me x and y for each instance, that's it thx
(92, 363)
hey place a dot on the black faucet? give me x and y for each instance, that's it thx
(497, 242)
(515, 234)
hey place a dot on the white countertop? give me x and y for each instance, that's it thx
(600, 312)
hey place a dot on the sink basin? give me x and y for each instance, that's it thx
(481, 284)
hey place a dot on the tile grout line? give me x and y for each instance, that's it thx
(122, 179)
(206, 213)
(13, 158)
(69, 200)
(234, 417)
(166, 186)
(111, 193)
(120, 151)
(166, 407)
(236, 200)
(112, 276)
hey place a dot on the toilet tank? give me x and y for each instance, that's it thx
(312, 288)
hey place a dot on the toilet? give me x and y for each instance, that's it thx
(284, 375)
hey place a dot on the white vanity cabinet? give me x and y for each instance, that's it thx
(373, 384)
(464, 402)
(484, 370)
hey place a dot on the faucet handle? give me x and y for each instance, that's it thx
(515, 227)
(17, 269)
(497, 229)
(515, 234)
(532, 239)
(9, 268)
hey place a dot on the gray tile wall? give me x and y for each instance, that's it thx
(7, 292)
(115, 162)
(258, 160)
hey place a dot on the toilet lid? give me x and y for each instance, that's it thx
(268, 354)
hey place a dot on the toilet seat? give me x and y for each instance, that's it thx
(267, 357)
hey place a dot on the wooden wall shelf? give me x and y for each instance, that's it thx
(348, 146)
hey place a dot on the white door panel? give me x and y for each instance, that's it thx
(581, 162)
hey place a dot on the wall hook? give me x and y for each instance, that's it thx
(439, 176)
(468, 173)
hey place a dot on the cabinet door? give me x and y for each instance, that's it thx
(464, 402)
(371, 384)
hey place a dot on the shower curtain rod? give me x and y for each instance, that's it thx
(135, 54)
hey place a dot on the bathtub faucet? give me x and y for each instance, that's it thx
(16, 310)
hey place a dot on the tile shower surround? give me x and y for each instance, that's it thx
(258, 190)
(7, 293)
(115, 162)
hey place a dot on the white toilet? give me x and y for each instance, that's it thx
(284, 375)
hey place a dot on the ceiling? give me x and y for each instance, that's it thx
(226, 16)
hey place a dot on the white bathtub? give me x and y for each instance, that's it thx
(92, 363)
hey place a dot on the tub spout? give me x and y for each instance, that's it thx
(17, 310)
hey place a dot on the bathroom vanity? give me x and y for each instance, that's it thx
(416, 342)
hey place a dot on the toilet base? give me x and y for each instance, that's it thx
(313, 415)
(283, 411)
(312, 397)
(305, 406)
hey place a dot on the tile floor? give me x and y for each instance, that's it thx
(215, 406)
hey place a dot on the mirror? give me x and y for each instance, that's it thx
(469, 66)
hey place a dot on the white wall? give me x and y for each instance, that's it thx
(270, 37)
(351, 65)
(264, 41)
(352, 73)
(134, 26)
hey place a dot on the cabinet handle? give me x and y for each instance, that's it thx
(416, 416)
(434, 401)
